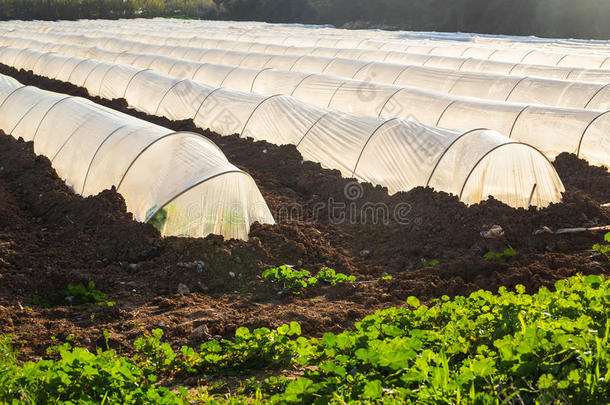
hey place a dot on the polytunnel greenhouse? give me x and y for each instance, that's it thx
(572, 54)
(505, 88)
(552, 130)
(459, 63)
(397, 153)
(433, 56)
(179, 181)
(507, 50)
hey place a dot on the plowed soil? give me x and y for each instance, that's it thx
(50, 237)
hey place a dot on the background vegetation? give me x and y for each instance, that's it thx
(561, 18)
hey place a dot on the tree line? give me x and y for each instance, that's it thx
(555, 18)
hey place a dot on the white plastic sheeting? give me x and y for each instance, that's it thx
(590, 54)
(524, 50)
(551, 130)
(179, 181)
(518, 89)
(426, 56)
(397, 153)
(310, 35)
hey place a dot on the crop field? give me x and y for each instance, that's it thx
(222, 212)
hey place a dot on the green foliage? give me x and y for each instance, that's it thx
(8, 356)
(65, 9)
(288, 279)
(331, 277)
(74, 294)
(551, 347)
(249, 350)
(295, 281)
(158, 219)
(155, 356)
(78, 376)
(431, 263)
(510, 347)
(604, 249)
(509, 252)
(583, 19)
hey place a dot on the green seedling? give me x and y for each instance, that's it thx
(604, 249)
(509, 252)
(73, 295)
(295, 281)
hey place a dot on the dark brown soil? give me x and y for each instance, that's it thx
(50, 237)
(577, 174)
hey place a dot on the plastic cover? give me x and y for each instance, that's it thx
(451, 78)
(282, 38)
(336, 140)
(180, 181)
(364, 98)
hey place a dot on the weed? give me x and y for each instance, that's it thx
(509, 252)
(604, 249)
(74, 294)
(295, 281)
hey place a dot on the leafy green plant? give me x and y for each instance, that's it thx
(295, 281)
(508, 252)
(155, 356)
(604, 249)
(249, 350)
(79, 376)
(159, 219)
(431, 263)
(288, 279)
(74, 294)
(551, 347)
(510, 347)
(331, 277)
(8, 355)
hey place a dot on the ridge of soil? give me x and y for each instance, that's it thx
(577, 174)
(50, 237)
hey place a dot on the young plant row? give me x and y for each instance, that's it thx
(510, 347)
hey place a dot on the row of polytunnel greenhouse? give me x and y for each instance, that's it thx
(428, 56)
(397, 153)
(510, 49)
(497, 87)
(400, 111)
(543, 52)
(550, 129)
(180, 181)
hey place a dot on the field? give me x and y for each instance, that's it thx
(435, 305)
